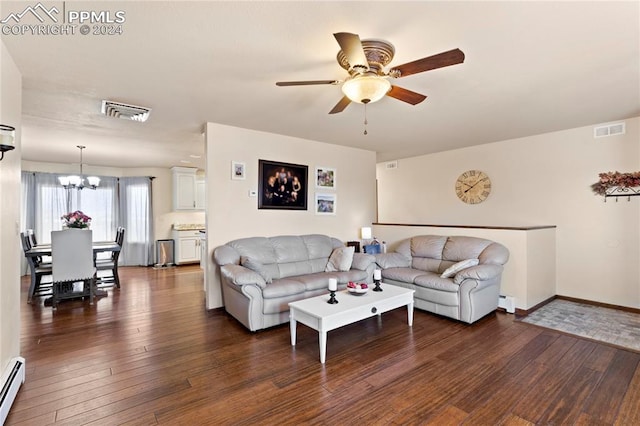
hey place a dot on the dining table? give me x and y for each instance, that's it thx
(41, 250)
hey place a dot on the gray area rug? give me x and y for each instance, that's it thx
(607, 325)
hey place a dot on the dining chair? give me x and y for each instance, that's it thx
(34, 242)
(38, 270)
(111, 264)
(72, 258)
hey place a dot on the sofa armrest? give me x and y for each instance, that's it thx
(479, 272)
(361, 261)
(392, 260)
(239, 275)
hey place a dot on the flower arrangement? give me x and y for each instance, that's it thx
(76, 219)
(611, 180)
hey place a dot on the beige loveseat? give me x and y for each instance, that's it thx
(458, 277)
(260, 276)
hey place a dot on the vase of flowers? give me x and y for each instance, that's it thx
(77, 220)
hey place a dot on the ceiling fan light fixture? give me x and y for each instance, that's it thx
(366, 89)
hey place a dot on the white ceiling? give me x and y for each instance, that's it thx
(530, 68)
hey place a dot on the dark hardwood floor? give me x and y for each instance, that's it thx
(150, 353)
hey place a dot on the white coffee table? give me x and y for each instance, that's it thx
(316, 313)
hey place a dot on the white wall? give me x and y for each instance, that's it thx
(232, 214)
(538, 180)
(10, 249)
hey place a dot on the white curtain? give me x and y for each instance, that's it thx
(136, 217)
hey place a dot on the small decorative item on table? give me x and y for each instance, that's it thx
(76, 220)
(333, 286)
(377, 276)
(357, 289)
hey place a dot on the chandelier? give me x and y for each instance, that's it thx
(75, 181)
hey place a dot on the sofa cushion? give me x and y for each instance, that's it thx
(283, 287)
(430, 246)
(289, 248)
(265, 271)
(341, 259)
(320, 246)
(293, 269)
(354, 275)
(315, 281)
(434, 281)
(426, 264)
(460, 248)
(401, 274)
(258, 248)
(457, 267)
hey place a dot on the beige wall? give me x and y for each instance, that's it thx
(10, 251)
(538, 180)
(232, 213)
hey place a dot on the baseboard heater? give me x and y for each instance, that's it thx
(508, 303)
(12, 379)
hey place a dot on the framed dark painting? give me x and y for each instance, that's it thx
(282, 185)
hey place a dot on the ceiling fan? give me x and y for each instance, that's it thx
(368, 82)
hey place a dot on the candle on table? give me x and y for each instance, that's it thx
(333, 284)
(377, 274)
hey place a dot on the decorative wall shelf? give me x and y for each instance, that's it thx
(616, 184)
(621, 191)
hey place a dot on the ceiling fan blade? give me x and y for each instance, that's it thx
(306, 83)
(352, 48)
(440, 60)
(405, 95)
(340, 106)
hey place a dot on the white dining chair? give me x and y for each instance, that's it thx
(72, 262)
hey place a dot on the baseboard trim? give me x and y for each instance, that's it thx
(602, 305)
(521, 313)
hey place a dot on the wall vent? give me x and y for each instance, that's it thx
(124, 111)
(609, 130)
(391, 164)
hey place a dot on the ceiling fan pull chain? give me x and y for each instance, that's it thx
(365, 119)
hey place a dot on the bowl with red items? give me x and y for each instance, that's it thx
(357, 288)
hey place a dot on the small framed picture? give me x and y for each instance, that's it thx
(237, 170)
(325, 178)
(326, 203)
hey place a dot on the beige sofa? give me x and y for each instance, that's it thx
(458, 277)
(260, 276)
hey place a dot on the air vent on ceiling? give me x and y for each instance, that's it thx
(124, 111)
(609, 130)
(391, 164)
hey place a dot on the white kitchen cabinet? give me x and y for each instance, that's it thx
(184, 188)
(187, 246)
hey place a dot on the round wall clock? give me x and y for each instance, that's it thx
(473, 186)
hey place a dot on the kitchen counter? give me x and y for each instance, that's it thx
(188, 227)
